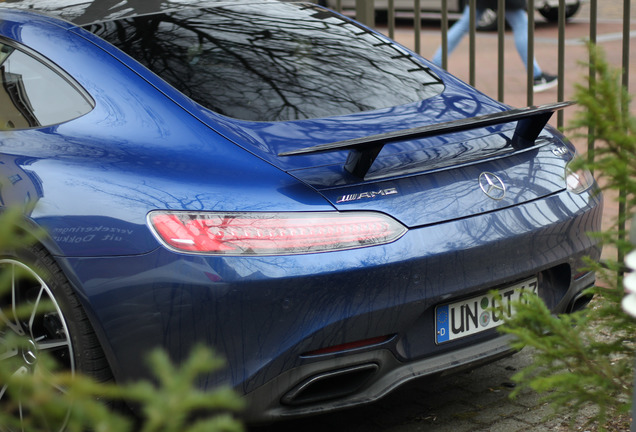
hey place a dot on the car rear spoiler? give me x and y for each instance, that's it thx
(363, 151)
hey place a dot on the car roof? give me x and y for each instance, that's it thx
(82, 12)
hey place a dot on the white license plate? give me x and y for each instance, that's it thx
(467, 317)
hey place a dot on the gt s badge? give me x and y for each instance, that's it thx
(366, 195)
(560, 150)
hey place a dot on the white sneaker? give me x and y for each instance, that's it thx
(544, 81)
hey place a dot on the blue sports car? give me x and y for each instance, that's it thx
(328, 210)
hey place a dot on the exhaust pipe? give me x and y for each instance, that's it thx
(579, 302)
(330, 385)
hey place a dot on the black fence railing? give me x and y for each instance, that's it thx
(366, 10)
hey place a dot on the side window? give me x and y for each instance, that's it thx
(33, 94)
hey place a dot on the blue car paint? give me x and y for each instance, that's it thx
(146, 153)
(263, 313)
(147, 147)
(266, 139)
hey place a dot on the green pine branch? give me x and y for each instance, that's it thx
(587, 358)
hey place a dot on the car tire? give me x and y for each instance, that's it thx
(552, 14)
(62, 330)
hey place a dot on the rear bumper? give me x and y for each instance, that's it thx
(389, 373)
(354, 379)
(265, 314)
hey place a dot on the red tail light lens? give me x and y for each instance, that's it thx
(271, 233)
(348, 346)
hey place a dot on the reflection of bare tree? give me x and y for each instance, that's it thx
(89, 11)
(103, 8)
(273, 62)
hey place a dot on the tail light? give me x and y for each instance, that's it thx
(578, 181)
(271, 233)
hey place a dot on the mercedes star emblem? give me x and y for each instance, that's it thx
(492, 186)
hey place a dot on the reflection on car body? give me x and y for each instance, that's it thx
(278, 182)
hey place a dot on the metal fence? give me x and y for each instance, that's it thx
(365, 12)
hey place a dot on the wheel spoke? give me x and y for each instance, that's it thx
(14, 324)
(29, 309)
(14, 294)
(52, 344)
(11, 352)
(34, 312)
(15, 328)
(48, 374)
(21, 371)
(21, 414)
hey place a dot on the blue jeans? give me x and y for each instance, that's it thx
(518, 20)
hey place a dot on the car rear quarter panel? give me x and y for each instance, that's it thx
(93, 180)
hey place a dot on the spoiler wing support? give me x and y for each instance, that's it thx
(363, 151)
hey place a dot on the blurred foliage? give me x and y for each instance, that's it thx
(586, 358)
(43, 398)
(172, 404)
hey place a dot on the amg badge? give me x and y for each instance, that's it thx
(366, 195)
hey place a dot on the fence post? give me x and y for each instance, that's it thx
(561, 64)
(472, 42)
(622, 206)
(530, 61)
(501, 34)
(365, 12)
(444, 28)
(592, 87)
(417, 26)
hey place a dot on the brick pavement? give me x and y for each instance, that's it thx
(475, 401)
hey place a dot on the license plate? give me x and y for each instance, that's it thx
(474, 315)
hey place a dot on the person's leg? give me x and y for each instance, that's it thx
(518, 20)
(456, 32)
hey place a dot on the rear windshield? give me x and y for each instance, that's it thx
(274, 61)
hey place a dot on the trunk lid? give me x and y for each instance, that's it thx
(425, 174)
